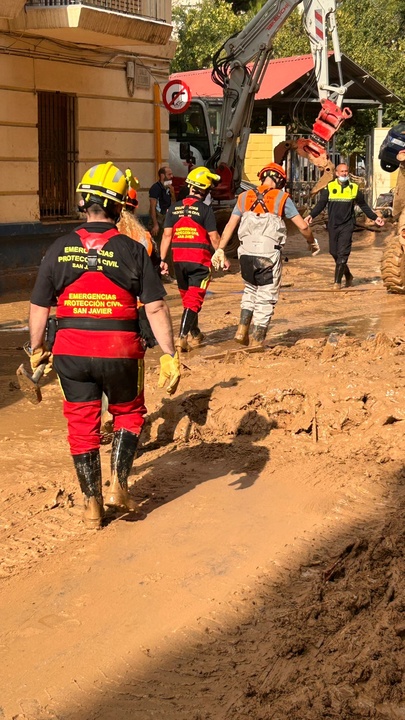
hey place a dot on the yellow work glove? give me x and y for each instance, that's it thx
(218, 259)
(169, 370)
(40, 356)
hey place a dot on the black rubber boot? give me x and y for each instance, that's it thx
(242, 333)
(88, 471)
(339, 271)
(123, 451)
(189, 320)
(348, 277)
(259, 335)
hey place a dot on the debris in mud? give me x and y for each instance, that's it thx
(380, 344)
(53, 498)
(330, 348)
(311, 409)
(304, 422)
(340, 637)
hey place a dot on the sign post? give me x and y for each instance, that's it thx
(176, 96)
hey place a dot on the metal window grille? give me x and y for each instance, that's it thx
(302, 176)
(130, 7)
(57, 154)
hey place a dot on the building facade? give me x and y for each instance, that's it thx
(79, 85)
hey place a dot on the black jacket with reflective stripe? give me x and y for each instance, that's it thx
(341, 200)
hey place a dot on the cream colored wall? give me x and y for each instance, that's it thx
(110, 126)
(18, 142)
(382, 181)
(260, 151)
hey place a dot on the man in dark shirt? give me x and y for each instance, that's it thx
(340, 196)
(94, 276)
(161, 196)
(191, 229)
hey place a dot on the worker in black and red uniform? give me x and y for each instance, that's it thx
(94, 276)
(190, 228)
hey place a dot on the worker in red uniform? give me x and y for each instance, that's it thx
(190, 228)
(94, 276)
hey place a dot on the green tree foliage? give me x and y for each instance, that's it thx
(372, 33)
(291, 38)
(201, 30)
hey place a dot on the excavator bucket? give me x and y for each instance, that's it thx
(330, 119)
(316, 154)
(312, 151)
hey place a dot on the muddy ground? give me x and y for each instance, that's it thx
(267, 578)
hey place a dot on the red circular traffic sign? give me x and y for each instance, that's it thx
(176, 96)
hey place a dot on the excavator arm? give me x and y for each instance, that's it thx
(239, 68)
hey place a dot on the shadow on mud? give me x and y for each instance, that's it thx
(162, 478)
(324, 641)
(242, 457)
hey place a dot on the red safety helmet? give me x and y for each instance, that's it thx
(276, 172)
(131, 200)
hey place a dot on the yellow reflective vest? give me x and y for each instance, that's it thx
(346, 193)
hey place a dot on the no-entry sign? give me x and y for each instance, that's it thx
(176, 96)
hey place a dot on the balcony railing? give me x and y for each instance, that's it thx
(96, 20)
(149, 8)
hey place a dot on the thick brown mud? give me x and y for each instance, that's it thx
(267, 578)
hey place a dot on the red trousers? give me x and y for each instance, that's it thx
(192, 280)
(83, 381)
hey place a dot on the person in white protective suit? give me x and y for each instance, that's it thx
(260, 214)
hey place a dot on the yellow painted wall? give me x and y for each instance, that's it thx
(382, 181)
(110, 125)
(260, 151)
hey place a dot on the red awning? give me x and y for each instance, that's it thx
(279, 75)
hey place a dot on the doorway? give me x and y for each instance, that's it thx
(57, 154)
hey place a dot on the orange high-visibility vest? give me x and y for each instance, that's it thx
(263, 200)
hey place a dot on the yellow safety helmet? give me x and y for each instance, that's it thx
(105, 181)
(202, 178)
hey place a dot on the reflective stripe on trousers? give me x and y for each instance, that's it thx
(262, 300)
